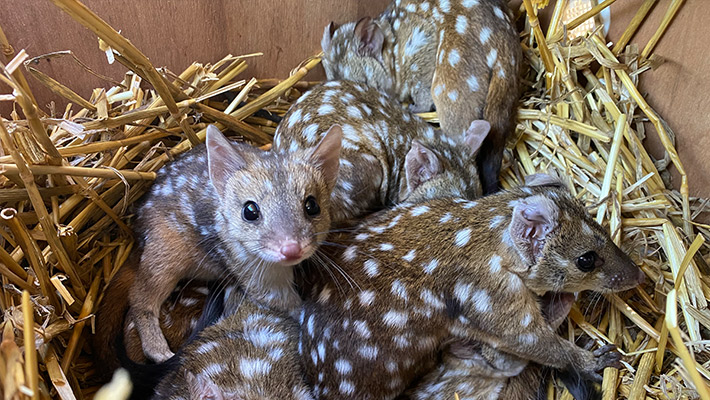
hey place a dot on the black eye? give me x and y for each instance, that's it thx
(250, 211)
(587, 261)
(311, 206)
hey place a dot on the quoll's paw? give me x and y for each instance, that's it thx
(158, 354)
(607, 356)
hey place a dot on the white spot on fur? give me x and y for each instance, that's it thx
(350, 253)
(469, 3)
(207, 347)
(386, 247)
(431, 266)
(366, 297)
(514, 282)
(325, 109)
(369, 352)
(445, 6)
(469, 204)
(431, 299)
(454, 57)
(491, 58)
(362, 329)
(410, 255)
(485, 35)
(472, 82)
(462, 291)
(481, 301)
(439, 89)
(496, 221)
(461, 24)
(446, 218)
(371, 268)
(346, 387)
(354, 112)
(395, 319)
(362, 236)
(527, 338)
(310, 325)
(324, 295)
(294, 117)
(499, 13)
(252, 367)
(462, 237)
(399, 290)
(415, 42)
(494, 264)
(417, 211)
(453, 95)
(343, 366)
(310, 132)
(527, 319)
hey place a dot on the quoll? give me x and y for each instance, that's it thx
(249, 355)
(461, 56)
(388, 155)
(229, 211)
(452, 270)
(478, 371)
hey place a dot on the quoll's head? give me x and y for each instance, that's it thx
(444, 167)
(275, 205)
(355, 52)
(563, 248)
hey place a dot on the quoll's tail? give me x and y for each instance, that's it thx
(144, 377)
(110, 318)
(579, 388)
(500, 113)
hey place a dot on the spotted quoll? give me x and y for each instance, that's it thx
(249, 355)
(454, 270)
(226, 211)
(478, 371)
(461, 56)
(388, 155)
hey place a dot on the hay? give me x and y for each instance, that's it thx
(68, 181)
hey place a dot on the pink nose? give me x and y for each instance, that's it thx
(291, 250)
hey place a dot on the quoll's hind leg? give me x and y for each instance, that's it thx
(161, 268)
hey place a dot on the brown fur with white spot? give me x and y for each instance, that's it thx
(388, 155)
(451, 270)
(191, 226)
(461, 56)
(249, 355)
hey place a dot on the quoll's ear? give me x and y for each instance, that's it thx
(543, 180)
(475, 135)
(201, 387)
(326, 155)
(533, 220)
(371, 38)
(222, 158)
(420, 165)
(327, 37)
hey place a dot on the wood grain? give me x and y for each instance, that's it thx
(174, 33)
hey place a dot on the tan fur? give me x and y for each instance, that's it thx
(250, 355)
(461, 56)
(439, 273)
(192, 227)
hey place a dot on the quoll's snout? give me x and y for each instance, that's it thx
(625, 274)
(291, 250)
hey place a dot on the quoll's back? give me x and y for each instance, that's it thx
(426, 274)
(387, 153)
(463, 57)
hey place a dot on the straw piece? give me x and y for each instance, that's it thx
(57, 376)
(670, 13)
(611, 164)
(630, 30)
(86, 309)
(60, 89)
(79, 171)
(31, 372)
(589, 14)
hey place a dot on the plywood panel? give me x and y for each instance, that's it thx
(174, 33)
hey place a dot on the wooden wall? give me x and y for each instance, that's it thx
(174, 33)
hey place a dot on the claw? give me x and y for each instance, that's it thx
(607, 356)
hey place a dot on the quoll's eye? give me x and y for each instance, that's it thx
(250, 211)
(587, 261)
(311, 206)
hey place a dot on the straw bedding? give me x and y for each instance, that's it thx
(68, 181)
